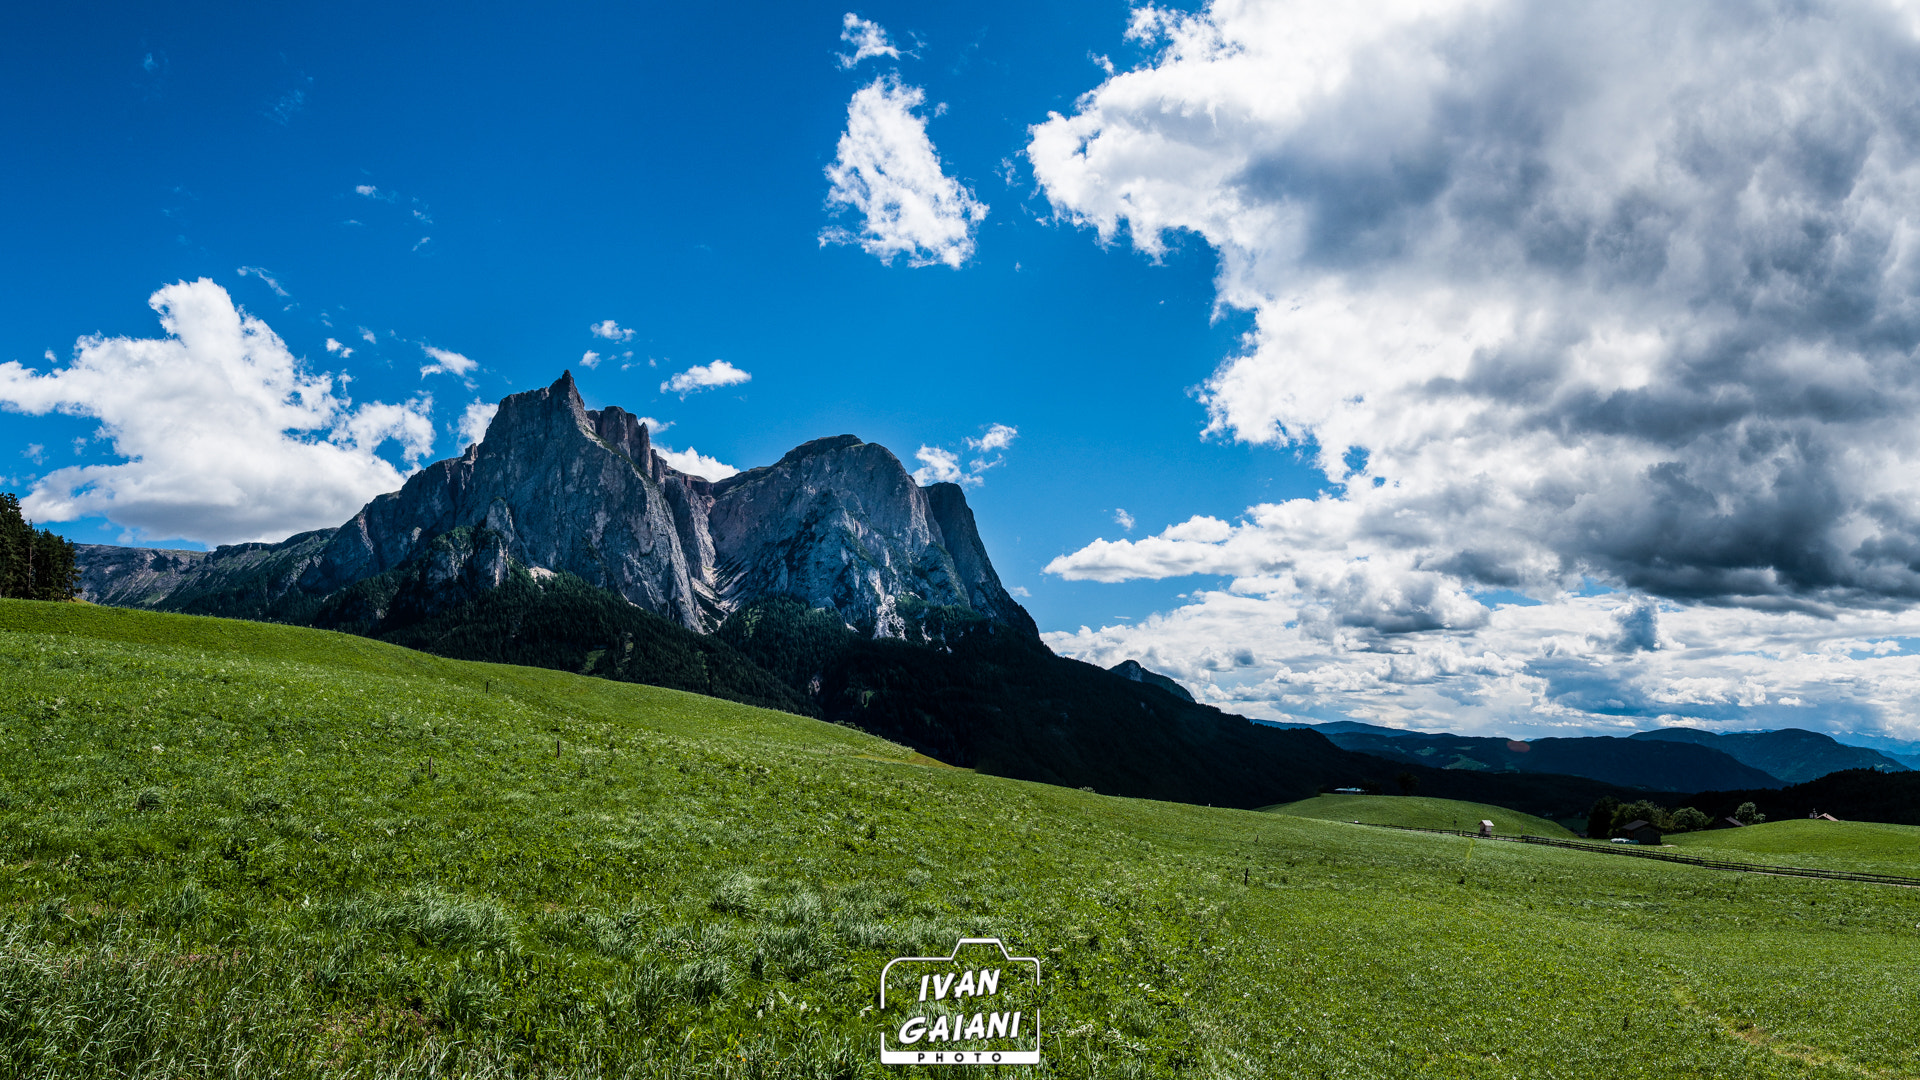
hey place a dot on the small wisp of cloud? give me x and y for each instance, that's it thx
(343, 351)
(1123, 519)
(610, 330)
(283, 110)
(447, 362)
(939, 465)
(867, 39)
(271, 281)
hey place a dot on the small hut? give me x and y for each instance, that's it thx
(1641, 831)
(1486, 828)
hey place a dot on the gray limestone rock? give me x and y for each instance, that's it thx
(556, 487)
(841, 524)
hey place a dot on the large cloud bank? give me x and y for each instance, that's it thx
(227, 437)
(1612, 293)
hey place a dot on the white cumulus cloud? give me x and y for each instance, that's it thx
(867, 39)
(998, 437)
(590, 360)
(226, 437)
(1614, 293)
(474, 421)
(344, 351)
(704, 377)
(612, 331)
(888, 172)
(938, 466)
(694, 463)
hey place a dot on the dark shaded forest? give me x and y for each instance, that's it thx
(34, 563)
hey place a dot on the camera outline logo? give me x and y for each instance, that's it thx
(945, 1009)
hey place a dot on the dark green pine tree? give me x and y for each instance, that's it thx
(16, 549)
(34, 564)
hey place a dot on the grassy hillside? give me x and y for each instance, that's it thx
(1862, 846)
(223, 850)
(1421, 813)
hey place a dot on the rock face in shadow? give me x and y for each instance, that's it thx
(555, 487)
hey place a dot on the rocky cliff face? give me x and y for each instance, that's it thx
(555, 486)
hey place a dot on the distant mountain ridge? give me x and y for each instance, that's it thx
(1744, 760)
(1791, 755)
(1656, 766)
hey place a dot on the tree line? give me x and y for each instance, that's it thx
(1610, 815)
(34, 563)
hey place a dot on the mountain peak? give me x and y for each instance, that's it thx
(553, 485)
(822, 446)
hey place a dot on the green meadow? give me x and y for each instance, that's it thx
(1421, 813)
(1857, 846)
(248, 850)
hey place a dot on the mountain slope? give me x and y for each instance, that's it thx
(995, 700)
(1133, 672)
(1790, 754)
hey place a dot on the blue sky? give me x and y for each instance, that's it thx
(1467, 366)
(661, 167)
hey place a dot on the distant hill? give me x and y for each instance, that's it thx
(1650, 765)
(1348, 727)
(1863, 846)
(1790, 755)
(1852, 795)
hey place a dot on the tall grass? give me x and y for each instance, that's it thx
(697, 889)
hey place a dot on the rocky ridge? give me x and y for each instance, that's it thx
(555, 487)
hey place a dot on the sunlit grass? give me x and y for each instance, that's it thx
(1421, 813)
(253, 850)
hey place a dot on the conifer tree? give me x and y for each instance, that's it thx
(34, 564)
